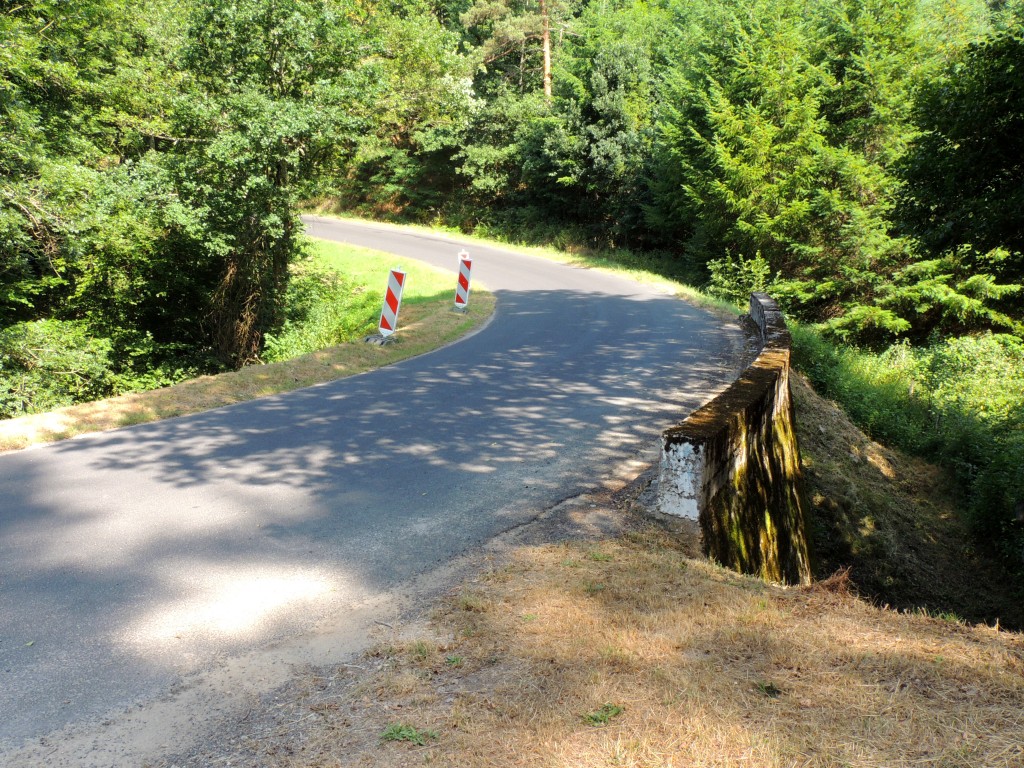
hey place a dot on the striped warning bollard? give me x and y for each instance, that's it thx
(392, 301)
(462, 288)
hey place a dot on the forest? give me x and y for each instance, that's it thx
(862, 160)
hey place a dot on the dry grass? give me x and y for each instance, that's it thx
(424, 326)
(708, 668)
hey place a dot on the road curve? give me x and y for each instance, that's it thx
(136, 561)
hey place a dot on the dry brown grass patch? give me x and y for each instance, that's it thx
(708, 668)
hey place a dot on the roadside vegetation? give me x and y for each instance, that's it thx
(340, 288)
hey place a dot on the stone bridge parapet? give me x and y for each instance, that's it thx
(733, 466)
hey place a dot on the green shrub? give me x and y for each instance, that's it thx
(323, 309)
(141, 363)
(878, 391)
(47, 364)
(975, 389)
(735, 278)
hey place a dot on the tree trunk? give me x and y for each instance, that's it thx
(546, 44)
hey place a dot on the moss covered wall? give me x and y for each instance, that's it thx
(734, 466)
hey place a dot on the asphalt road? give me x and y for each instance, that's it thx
(134, 560)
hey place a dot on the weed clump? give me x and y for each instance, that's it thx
(409, 733)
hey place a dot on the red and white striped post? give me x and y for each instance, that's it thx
(462, 288)
(392, 301)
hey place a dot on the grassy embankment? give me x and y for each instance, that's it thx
(425, 323)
